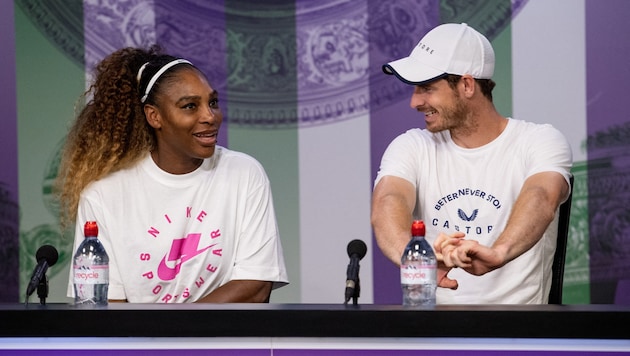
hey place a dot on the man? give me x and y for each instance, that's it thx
(488, 187)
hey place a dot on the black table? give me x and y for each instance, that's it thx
(316, 320)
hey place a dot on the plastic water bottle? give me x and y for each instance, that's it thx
(90, 269)
(418, 269)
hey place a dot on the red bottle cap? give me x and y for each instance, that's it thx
(417, 228)
(90, 229)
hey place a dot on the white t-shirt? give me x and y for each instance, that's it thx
(472, 191)
(176, 238)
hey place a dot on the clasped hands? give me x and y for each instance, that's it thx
(454, 251)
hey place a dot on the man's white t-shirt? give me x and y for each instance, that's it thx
(176, 238)
(472, 191)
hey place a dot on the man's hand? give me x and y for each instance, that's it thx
(446, 243)
(454, 251)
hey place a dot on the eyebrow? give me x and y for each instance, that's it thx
(213, 94)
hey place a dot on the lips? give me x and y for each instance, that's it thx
(206, 138)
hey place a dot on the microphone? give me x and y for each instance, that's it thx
(356, 251)
(46, 256)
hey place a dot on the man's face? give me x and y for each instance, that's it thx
(441, 104)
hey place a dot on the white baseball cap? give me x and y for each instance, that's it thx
(447, 49)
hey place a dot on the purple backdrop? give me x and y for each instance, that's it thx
(9, 211)
(608, 128)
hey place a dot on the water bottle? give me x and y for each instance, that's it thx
(90, 269)
(418, 269)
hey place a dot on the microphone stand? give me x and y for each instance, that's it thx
(42, 289)
(357, 291)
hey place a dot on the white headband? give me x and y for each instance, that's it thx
(157, 75)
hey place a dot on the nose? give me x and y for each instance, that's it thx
(417, 98)
(212, 115)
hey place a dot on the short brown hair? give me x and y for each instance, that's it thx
(486, 85)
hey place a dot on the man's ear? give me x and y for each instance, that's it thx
(152, 115)
(469, 84)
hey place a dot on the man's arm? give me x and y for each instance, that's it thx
(393, 202)
(240, 291)
(532, 213)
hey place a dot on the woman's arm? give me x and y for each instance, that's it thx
(240, 291)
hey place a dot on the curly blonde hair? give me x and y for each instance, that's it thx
(110, 132)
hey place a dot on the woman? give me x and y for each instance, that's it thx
(181, 218)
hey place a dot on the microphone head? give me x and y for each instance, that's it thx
(357, 247)
(48, 253)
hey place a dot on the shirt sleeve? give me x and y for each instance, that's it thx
(401, 158)
(549, 151)
(259, 253)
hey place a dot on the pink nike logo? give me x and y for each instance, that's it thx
(182, 250)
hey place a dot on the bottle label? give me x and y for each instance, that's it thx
(415, 273)
(98, 274)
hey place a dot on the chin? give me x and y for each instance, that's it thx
(207, 153)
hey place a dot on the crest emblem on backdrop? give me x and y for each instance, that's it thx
(326, 59)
